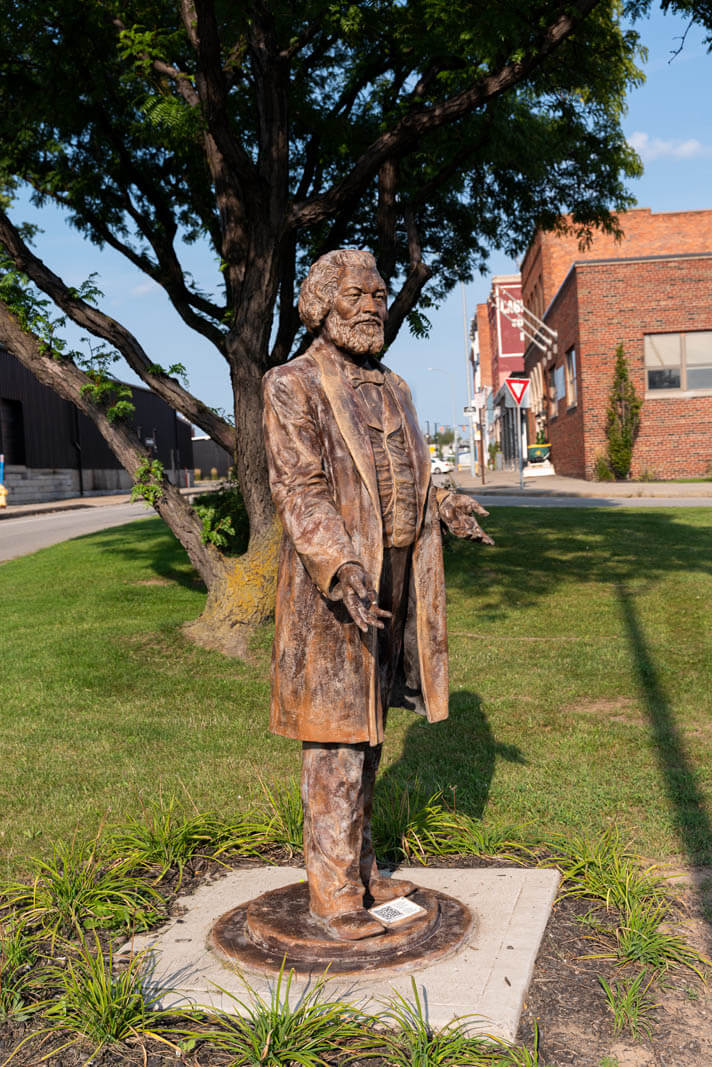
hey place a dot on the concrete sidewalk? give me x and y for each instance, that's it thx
(506, 483)
(100, 501)
(503, 483)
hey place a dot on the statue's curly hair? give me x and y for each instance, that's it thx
(316, 296)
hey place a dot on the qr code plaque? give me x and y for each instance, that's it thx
(396, 911)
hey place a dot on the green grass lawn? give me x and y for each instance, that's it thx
(581, 682)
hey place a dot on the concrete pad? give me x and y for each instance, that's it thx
(487, 978)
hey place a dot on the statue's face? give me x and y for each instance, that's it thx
(355, 322)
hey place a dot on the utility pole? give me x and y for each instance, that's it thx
(469, 381)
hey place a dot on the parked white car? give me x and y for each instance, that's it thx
(439, 466)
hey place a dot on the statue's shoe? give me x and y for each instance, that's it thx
(382, 889)
(354, 926)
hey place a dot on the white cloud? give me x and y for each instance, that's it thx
(650, 148)
(143, 288)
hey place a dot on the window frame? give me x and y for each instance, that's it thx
(682, 389)
(571, 378)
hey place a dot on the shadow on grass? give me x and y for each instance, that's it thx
(624, 549)
(687, 804)
(155, 549)
(457, 757)
(536, 546)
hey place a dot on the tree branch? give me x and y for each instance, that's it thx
(102, 325)
(67, 381)
(270, 70)
(179, 77)
(168, 273)
(386, 216)
(419, 274)
(288, 314)
(419, 121)
(233, 172)
(158, 272)
(307, 35)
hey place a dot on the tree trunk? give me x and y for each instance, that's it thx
(242, 597)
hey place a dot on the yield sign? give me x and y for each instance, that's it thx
(517, 387)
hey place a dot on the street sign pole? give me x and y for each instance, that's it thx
(476, 410)
(482, 444)
(519, 388)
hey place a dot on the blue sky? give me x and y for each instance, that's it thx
(669, 122)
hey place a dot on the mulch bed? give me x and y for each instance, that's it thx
(565, 1007)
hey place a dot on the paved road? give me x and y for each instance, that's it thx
(25, 534)
(22, 535)
(493, 500)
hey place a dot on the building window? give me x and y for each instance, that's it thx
(12, 432)
(559, 390)
(679, 360)
(571, 389)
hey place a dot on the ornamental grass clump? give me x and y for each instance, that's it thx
(166, 839)
(408, 824)
(274, 1032)
(76, 890)
(631, 1003)
(401, 814)
(283, 818)
(604, 870)
(403, 1037)
(21, 973)
(94, 1002)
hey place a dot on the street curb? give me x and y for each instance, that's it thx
(29, 509)
(48, 507)
(552, 493)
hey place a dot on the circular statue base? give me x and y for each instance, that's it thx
(277, 930)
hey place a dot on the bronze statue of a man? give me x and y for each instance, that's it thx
(360, 612)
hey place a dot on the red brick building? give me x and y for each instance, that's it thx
(498, 352)
(650, 292)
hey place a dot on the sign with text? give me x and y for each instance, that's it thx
(508, 318)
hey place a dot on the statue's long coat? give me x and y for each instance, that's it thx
(323, 480)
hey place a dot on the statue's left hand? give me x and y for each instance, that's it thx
(458, 512)
(359, 597)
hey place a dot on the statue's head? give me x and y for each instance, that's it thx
(344, 297)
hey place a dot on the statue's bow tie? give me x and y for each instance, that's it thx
(363, 375)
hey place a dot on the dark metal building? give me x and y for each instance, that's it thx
(53, 451)
(208, 456)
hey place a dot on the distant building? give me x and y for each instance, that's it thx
(499, 343)
(53, 451)
(208, 456)
(650, 292)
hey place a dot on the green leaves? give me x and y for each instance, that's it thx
(622, 418)
(20, 979)
(224, 519)
(107, 393)
(148, 484)
(75, 891)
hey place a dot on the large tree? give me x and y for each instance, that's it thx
(428, 131)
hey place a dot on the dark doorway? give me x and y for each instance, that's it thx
(12, 432)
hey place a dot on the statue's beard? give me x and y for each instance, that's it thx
(364, 337)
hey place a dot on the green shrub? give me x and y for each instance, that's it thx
(224, 518)
(602, 471)
(622, 418)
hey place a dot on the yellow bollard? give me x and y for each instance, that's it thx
(3, 496)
